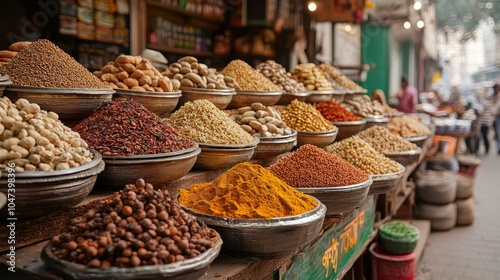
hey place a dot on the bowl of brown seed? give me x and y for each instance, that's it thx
(246, 98)
(219, 97)
(383, 183)
(160, 103)
(316, 138)
(320, 96)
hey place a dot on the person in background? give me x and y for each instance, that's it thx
(407, 97)
(496, 112)
(485, 119)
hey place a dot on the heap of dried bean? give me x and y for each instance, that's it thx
(280, 77)
(135, 73)
(202, 122)
(311, 76)
(407, 126)
(123, 127)
(136, 226)
(302, 116)
(340, 78)
(36, 140)
(361, 154)
(334, 112)
(382, 140)
(188, 72)
(311, 167)
(261, 121)
(247, 77)
(362, 106)
(43, 64)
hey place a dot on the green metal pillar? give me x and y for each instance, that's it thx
(375, 51)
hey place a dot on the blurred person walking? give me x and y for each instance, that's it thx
(496, 112)
(485, 119)
(407, 96)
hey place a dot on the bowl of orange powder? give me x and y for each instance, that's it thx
(253, 211)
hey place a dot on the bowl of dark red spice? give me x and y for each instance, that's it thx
(43, 73)
(49, 165)
(253, 211)
(222, 141)
(338, 184)
(347, 123)
(134, 143)
(138, 233)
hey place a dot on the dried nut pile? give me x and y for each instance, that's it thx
(248, 78)
(7, 55)
(280, 77)
(188, 72)
(382, 140)
(340, 78)
(334, 112)
(311, 76)
(363, 107)
(136, 226)
(35, 140)
(202, 122)
(124, 127)
(43, 64)
(302, 116)
(362, 155)
(312, 167)
(408, 126)
(135, 73)
(261, 121)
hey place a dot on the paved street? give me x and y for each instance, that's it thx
(471, 252)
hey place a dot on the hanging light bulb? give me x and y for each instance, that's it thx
(407, 25)
(311, 6)
(420, 24)
(347, 28)
(417, 5)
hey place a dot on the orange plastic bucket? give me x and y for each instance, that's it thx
(391, 267)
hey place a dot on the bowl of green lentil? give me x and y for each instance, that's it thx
(398, 237)
(383, 183)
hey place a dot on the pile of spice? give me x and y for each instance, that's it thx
(362, 106)
(246, 191)
(334, 112)
(123, 127)
(362, 155)
(312, 167)
(302, 116)
(136, 226)
(36, 140)
(43, 64)
(340, 78)
(407, 126)
(382, 140)
(280, 77)
(261, 121)
(203, 122)
(311, 76)
(248, 78)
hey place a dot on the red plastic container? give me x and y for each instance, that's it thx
(391, 267)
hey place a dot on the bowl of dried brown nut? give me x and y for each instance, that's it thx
(160, 103)
(246, 97)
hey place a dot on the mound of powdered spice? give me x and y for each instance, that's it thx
(311, 167)
(122, 127)
(43, 64)
(246, 191)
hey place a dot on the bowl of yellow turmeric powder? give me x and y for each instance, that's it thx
(253, 211)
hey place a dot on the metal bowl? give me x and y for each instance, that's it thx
(418, 140)
(246, 98)
(156, 169)
(219, 97)
(4, 82)
(348, 129)
(264, 238)
(160, 103)
(317, 96)
(269, 147)
(351, 93)
(339, 95)
(405, 158)
(320, 139)
(287, 98)
(340, 199)
(394, 114)
(382, 121)
(40, 193)
(72, 105)
(383, 183)
(216, 156)
(184, 270)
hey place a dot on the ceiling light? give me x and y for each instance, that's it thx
(311, 6)
(420, 24)
(417, 5)
(407, 25)
(347, 28)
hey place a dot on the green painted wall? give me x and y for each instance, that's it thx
(375, 46)
(405, 52)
